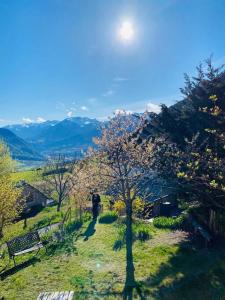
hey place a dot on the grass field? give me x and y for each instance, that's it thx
(29, 176)
(46, 216)
(90, 260)
(167, 266)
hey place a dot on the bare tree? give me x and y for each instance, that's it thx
(123, 165)
(58, 178)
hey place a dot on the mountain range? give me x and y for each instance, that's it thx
(19, 148)
(36, 141)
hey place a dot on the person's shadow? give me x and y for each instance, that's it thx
(90, 229)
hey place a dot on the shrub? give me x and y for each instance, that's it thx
(138, 206)
(168, 222)
(47, 238)
(120, 240)
(119, 207)
(108, 217)
(141, 232)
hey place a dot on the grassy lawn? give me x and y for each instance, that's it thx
(29, 176)
(168, 266)
(43, 218)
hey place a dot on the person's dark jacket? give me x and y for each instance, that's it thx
(95, 199)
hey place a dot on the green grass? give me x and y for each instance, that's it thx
(164, 268)
(44, 218)
(29, 176)
(142, 232)
(168, 222)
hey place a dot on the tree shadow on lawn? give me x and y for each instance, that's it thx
(62, 244)
(190, 273)
(90, 230)
(19, 267)
(63, 241)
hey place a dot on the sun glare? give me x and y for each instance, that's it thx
(126, 31)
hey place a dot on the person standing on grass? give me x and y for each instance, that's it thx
(96, 200)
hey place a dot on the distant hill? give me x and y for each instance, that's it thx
(20, 149)
(71, 136)
(28, 131)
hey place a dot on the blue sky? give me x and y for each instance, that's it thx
(62, 58)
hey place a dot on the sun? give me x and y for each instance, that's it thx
(126, 31)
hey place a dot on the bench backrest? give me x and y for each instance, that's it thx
(23, 242)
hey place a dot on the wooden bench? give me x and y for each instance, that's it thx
(24, 244)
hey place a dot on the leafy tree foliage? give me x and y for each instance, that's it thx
(191, 138)
(10, 205)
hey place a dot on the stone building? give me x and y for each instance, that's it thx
(32, 197)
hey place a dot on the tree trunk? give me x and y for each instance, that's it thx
(59, 205)
(80, 212)
(1, 232)
(130, 278)
(25, 222)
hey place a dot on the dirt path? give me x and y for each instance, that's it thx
(169, 238)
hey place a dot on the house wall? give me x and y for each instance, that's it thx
(33, 197)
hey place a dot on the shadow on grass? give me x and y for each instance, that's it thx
(84, 284)
(108, 217)
(105, 296)
(118, 245)
(61, 242)
(133, 293)
(64, 239)
(19, 267)
(190, 273)
(138, 235)
(90, 230)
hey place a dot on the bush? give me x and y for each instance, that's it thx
(138, 206)
(119, 207)
(108, 217)
(141, 232)
(168, 222)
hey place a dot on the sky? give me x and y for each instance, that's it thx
(67, 58)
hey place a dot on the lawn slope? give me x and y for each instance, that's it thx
(168, 266)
